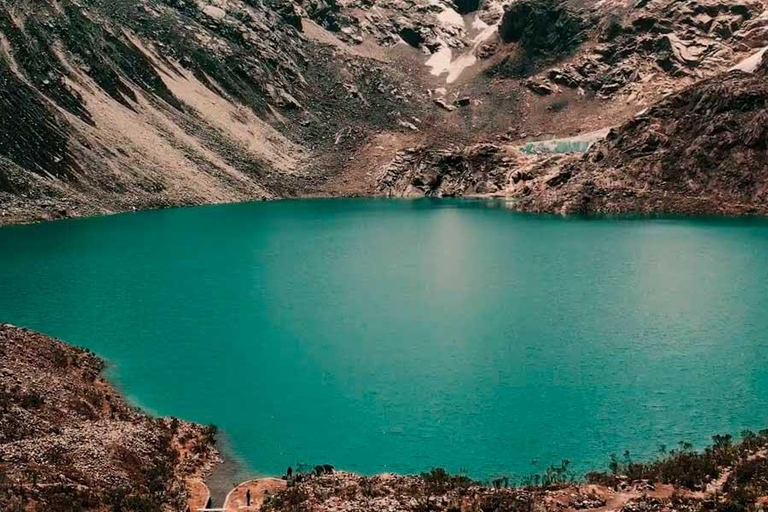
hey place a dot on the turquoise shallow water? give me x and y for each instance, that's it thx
(395, 336)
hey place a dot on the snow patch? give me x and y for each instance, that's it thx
(442, 61)
(749, 65)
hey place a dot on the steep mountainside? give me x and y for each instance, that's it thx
(108, 105)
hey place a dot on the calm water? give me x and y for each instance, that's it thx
(384, 335)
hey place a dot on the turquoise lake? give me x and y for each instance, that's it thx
(380, 335)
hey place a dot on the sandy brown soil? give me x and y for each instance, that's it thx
(260, 488)
(199, 495)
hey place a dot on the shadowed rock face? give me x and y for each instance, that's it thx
(762, 69)
(467, 6)
(36, 140)
(543, 27)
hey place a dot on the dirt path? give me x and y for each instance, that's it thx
(260, 488)
(198, 494)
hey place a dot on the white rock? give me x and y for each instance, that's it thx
(214, 12)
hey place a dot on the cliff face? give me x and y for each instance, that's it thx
(69, 441)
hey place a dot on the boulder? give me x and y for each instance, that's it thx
(411, 36)
(214, 12)
(440, 102)
(467, 6)
(538, 87)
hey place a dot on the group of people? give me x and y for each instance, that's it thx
(325, 469)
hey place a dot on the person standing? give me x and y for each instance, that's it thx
(248, 498)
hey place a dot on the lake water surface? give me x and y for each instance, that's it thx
(382, 335)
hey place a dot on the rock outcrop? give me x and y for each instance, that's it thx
(448, 172)
(542, 27)
(69, 441)
(654, 45)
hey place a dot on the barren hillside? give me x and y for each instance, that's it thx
(116, 105)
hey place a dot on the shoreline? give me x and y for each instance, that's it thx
(502, 202)
(221, 469)
(65, 422)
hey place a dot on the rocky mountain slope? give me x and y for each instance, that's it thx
(127, 104)
(702, 150)
(112, 105)
(69, 441)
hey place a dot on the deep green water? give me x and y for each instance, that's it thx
(393, 335)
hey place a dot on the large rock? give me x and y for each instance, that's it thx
(467, 6)
(446, 172)
(542, 27)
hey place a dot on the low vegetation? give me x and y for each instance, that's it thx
(727, 476)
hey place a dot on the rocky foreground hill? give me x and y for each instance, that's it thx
(116, 105)
(727, 476)
(69, 441)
